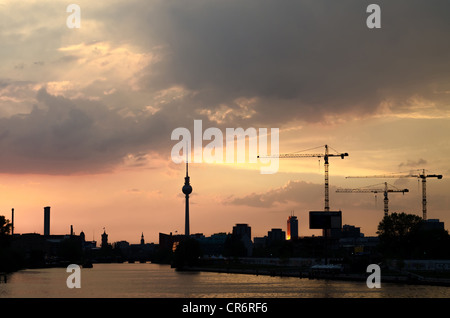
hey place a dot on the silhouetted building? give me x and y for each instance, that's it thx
(142, 239)
(121, 245)
(432, 224)
(275, 235)
(165, 241)
(169, 241)
(104, 239)
(87, 245)
(38, 250)
(241, 230)
(212, 245)
(260, 242)
(141, 252)
(359, 245)
(31, 246)
(47, 220)
(351, 231)
(330, 222)
(292, 228)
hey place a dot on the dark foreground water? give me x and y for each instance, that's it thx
(160, 281)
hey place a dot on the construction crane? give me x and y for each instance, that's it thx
(325, 155)
(384, 190)
(419, 175)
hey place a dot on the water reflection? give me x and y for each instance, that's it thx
(156, 281)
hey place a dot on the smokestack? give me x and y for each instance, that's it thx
(47, 220)
(12, 221)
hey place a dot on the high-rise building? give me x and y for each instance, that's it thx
(47, 220)
(292, 228)
(243, 233)
(241, 230)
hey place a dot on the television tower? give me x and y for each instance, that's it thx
(187, 189)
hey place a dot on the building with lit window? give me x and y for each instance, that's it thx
(292, 228)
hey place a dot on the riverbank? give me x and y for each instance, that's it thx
(404, 278)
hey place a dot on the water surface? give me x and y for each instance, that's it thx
(160, 281)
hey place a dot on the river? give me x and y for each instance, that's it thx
(146, 280)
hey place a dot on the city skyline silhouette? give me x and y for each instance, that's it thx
(87, 113)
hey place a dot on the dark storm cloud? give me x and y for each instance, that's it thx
(73, 136)
(296, 60)
(58, 136)
(301, 59)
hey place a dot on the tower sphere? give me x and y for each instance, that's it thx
(187, 189)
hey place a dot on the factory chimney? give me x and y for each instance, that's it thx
(12, 221)
(46, 220)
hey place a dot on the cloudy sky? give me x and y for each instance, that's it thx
(86, 114)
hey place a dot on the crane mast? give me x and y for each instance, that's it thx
(423, 176)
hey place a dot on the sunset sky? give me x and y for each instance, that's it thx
(86, 114)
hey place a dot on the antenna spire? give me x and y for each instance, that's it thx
(187, 160)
